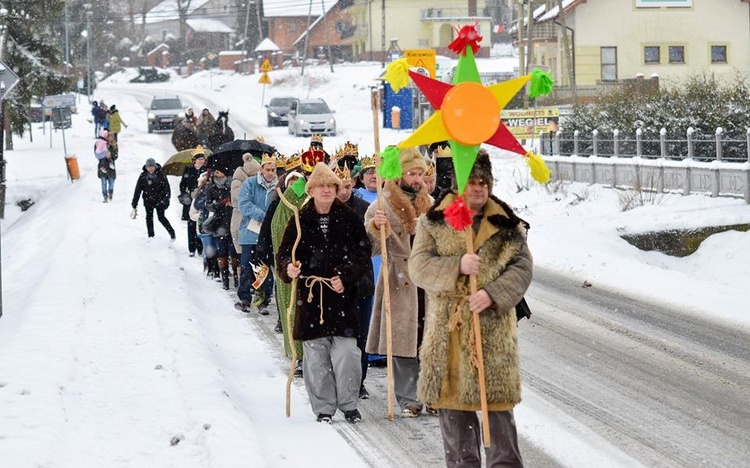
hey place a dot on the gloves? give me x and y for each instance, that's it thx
(134, 214)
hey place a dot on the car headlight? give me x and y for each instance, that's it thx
(302, 121)
(151, 116)
(332, 121)
(181, 115)
(274, 114)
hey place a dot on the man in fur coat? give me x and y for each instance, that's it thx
(331, 257)
(404, 200)
(503, 268)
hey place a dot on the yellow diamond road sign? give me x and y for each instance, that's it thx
(423, 60)
(264, 78)
(266, 66)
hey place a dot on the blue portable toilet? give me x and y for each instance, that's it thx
(402, 100)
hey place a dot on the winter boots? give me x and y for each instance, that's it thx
(224, 269)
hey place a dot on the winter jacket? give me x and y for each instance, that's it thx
(402, 216)
(447, 377)
(366, 285)
(115, 121)
(264, 247)
(188, 184)
(218, 202)
(106, 167)
(155, 189)
(101, 144)
(249, 169)
(256, 195)
(345, 252)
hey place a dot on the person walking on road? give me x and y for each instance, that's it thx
(156, 192)
(188, 184)
(502, 265)
(115, 121)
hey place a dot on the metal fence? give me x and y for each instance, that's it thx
(719, 167)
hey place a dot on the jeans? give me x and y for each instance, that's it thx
(108, 185)
(209, 246)
(247, 275)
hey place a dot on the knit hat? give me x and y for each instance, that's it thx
(150, 162)
(322, 175)
(411, 158)
(112, 108)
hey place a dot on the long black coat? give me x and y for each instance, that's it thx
(346, 253)
(218, 200)
(188, 184)
(155, 189)
(366, 284)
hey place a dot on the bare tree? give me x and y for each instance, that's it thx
(568, 55)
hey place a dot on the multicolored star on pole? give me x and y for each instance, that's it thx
(467, 113)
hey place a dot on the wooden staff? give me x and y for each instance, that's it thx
(374, 97)
(469, 236)
(292, 302)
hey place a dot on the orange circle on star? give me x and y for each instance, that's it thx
(471, 113)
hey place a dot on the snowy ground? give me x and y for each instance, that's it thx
(113, 347)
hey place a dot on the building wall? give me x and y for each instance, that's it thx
(602, 23)
(284, 30)
(404, 21)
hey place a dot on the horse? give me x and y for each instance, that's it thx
(223, 133)
(184, 137)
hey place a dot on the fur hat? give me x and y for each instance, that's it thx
(411, 158)
(481, 170)
(322, 175)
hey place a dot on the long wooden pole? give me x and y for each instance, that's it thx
(478, 345)
(384, 262)
(292, 302)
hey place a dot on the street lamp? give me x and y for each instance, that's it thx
(89, 13)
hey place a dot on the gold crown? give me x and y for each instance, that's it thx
(267, 159)
(367, 163)
(444, 152)
(316, 138)
(343, 174)
(281, 160)
(260, 139)
(430, 172)
(310, 158)
(350, 149)
(292, 162)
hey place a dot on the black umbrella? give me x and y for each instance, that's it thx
(228, 156)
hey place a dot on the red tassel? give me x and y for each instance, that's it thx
(458, 215)
(467, 36)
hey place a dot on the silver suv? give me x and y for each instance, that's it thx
(164, 113)
(310, 116)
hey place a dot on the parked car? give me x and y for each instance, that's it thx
(164, 113)
(310, 116)
(278, 109)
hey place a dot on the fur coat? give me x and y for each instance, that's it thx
(402, 216)
(447, 378)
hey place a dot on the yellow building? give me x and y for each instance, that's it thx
(620, 39)
(413, 24)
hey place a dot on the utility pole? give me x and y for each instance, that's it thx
(247, 20)
(87, 7)
(530, 37)
(382, 33)
(307, 36)
(519, 30)
(328, 42)
(260, 26)
(67, 42)
(568, 55)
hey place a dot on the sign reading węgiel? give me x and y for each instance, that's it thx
(527, 123)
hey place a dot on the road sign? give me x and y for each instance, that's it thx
(264, 78)
(8, 80)
(421, 58)
(59, 100)
(266, 66)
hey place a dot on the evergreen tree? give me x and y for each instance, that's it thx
(29, 47)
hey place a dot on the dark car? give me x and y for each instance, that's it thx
(278, 110)
(164, 113)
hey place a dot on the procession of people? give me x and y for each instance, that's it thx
(306, 233)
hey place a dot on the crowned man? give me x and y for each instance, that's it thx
(368, 180)
(404, 200)
(295, 194)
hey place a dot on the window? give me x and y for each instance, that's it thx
(676, 54)
(609, 63)
(719, 54)
(652, 54)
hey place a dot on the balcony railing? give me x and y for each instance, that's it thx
(443, 14)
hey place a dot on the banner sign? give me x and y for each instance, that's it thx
(527, 123)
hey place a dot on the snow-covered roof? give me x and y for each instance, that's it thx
(208, 25)
(167, 11)
(275, 8)
(266, 45)
(553, 12)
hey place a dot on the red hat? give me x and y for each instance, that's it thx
(312, 157)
